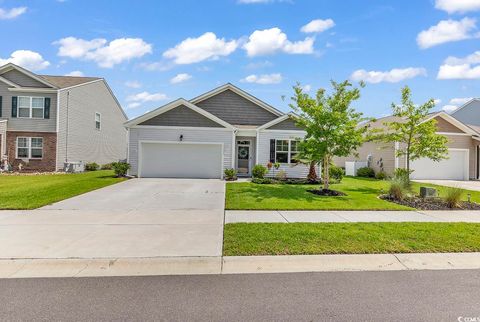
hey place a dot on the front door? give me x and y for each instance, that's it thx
(243, 157)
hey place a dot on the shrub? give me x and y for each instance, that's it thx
(453, 197)
(259, 171)
(381, 175)
(281, 175)
(397, 189)
(91, 166)
(120, 168)
(107, 166)
(403, 176)
(230, 174)
(262, 180)
(336, 173)
(366, 172)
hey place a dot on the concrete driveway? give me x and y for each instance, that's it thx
(136, 218)
(468, 185)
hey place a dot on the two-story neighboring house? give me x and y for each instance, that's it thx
(46, 121)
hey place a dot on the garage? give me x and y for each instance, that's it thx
(180, 160)
(453, 168)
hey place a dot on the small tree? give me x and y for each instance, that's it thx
(417, 138)
(332, 126)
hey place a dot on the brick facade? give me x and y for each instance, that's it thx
(48, 161)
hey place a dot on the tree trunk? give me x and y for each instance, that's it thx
(326, 174)
(312, 173)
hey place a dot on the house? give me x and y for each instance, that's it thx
(46, 121)
(469, 113)
(463, 155)
(223, 128)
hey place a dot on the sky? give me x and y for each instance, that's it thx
(153, 52)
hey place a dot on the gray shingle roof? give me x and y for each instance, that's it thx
(67, 81)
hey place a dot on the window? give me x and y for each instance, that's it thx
(98, 121)
(285, 150)
(31, 107)
(29, 148)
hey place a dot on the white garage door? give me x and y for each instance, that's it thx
(453, 168)
(180, 160)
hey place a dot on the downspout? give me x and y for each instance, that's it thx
(66, 128)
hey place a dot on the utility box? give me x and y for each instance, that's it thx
(74, 167)
(426, 192)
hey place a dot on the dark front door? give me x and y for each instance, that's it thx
(243, 157)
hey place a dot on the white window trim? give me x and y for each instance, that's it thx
(28, 147)
(99, 122)
(289, 152)
(30, 115)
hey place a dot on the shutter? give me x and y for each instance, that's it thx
(46, 109)
(272, 150)
(0, 106)
(14, 106)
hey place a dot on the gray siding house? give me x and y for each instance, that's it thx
(46, 121)
(200, 138)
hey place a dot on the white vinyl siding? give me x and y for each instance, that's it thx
(164, 134)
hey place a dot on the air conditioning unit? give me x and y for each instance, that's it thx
(74, 167)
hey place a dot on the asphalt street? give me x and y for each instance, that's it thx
(346, 296)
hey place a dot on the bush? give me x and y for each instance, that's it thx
(336, 173)
(366, 172)
(281, 175)
(120, 168)
(453, 197)
(91, 166)
(230, 174)
(403, 176)
(107, 166)
(397, 189)
(381, 175)
(262, 180)
(259, 171)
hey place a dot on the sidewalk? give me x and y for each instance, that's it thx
(289, 216)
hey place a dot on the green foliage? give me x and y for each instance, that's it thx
(107, 166)
(259, 171)
(336, 173)
(120, 168)
(91, 166)
(332, 126)
(453, 197)
(230, 174)
(262, 180)
(403, 175)
(381, 175)
(417, 138)
(281, 175)
(397, 189)
(365, 172)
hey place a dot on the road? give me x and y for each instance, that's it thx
(346, 296)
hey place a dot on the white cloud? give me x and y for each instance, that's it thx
(133, 84)
(270, 41)
(318, 25)
(105, 54)
(460, 100)
(449, 108)
(27, 59)
(136, 100)
(460, 68)
(12, 13)
(470, 59)
(437, 101)
(263, 79)
(194, 50)
(457, 6)
(180, 78)
(447, 31)
(76, 73)
(392, 76)
(307, 88)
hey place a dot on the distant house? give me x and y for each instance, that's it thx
(223, 128)
(463, 147)
(48, 120)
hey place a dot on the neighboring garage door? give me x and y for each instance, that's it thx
(453, 168)
(181, 160)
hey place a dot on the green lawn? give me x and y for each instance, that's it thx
(244, 239)
(362, 194)
(30, 192)
(475, 195)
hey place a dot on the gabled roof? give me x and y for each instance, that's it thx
(277, 120)
(36, 77)
(68, 81)
(466, 104)
(240, 92)
(172, 105)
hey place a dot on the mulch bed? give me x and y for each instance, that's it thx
(431, 203)
(326, 192)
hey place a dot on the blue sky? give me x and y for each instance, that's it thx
(151, 52)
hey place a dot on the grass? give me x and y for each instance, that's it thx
(30, 192)
(247, 239)
(442, 191)
(362, 194)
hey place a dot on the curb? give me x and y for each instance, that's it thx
(30, 268)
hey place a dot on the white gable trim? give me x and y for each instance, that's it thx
(173, 105)
(241, 93)
(450, 119)
(6, 81)
(466, 104)
(32, 90)
(10, 66)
